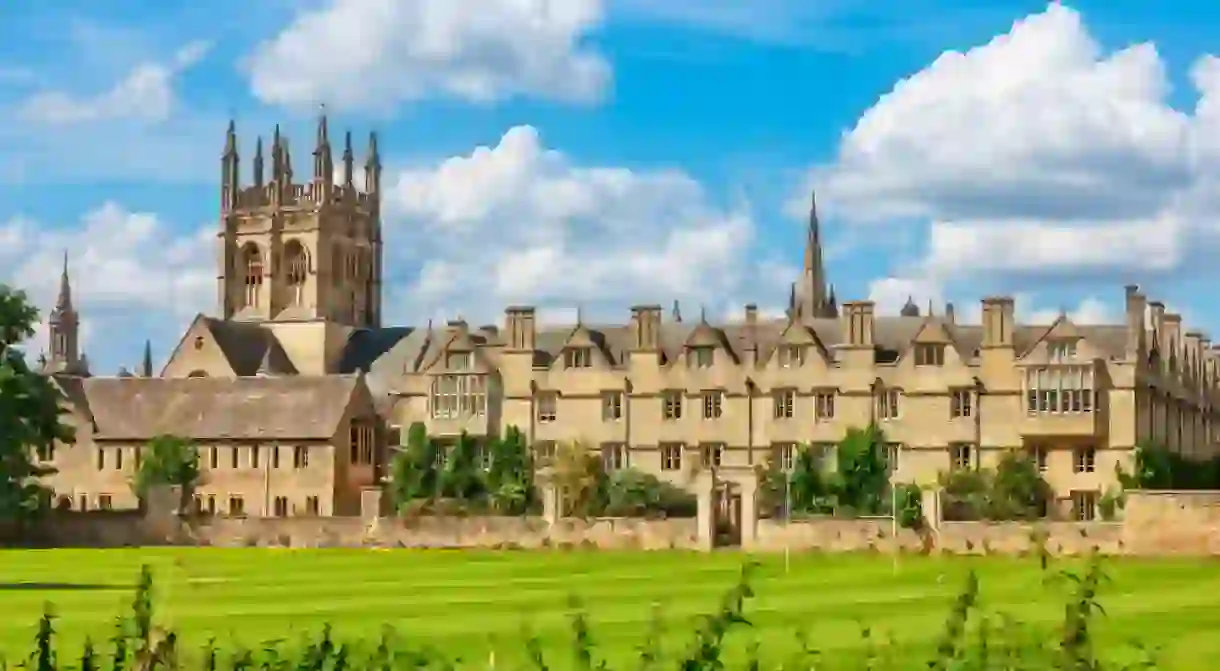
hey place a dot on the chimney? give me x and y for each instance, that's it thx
(1156, 315)
(1172, 324)
(858, 323)
(751, 314)
(1193, 339)
(646, 326)
(1137, 307)
(519, 327)
(998, 313)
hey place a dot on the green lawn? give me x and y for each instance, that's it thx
(471, 602)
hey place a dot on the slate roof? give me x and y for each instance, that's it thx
(278, 408)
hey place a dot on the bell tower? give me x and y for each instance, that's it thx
(306, 251)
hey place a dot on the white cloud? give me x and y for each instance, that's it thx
(1038, 154)
(518, 223)
(146, 93)
(130, 272)
(376, 53)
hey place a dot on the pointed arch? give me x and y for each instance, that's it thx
(252, 270)
(296, 261)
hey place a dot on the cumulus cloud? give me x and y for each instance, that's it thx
(377, 53)
(146, 93)
(520, 223)
(133, 276)
(1037, 155)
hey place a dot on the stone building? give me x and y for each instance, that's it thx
(299, 328)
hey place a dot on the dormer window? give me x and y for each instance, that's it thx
(791, 356)
(700, 357)
(578, 357)
(459, 361)
(929, 354)
(1061, 350)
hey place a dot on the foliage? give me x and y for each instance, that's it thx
(805, 490)
(29, 414)
(463, 475)
(908, 500)
(413, 468)
(168, 460)
(498, 474)
(1014, 490)
(634, 493)
(580, 478)
(862, 479)
(970, 640)
(1156, 467)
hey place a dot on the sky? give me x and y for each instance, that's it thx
(593, 154)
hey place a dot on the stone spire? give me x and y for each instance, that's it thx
(64, 330)
(812, 299)
(230, 168)
(677, 312)
(349, 161)
(323, 161)
(146, 365)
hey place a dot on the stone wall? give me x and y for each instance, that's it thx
(1154, 523)
(97, 529)
(1172, 523)
(827, 534)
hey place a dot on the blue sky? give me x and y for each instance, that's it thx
(597, 153)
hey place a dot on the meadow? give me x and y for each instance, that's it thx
(469, 604)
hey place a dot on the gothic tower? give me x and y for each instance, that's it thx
(810, 296)
(64, 330)
(301, 252)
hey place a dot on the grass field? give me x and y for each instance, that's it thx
(471, 602)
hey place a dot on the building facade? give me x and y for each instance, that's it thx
(299, 301)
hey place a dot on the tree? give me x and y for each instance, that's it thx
(580, 477)
(862, 479)
(168, 461)
(29, 414)
(510, 476)
(461, 478)
(413, 473)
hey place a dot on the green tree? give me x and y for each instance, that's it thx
(1018, 491)
(462, 477)
(808, 489)
(413, 473)
(510, 476)
(862, 479)
(29, 414)
(580, 477)
(168, 460)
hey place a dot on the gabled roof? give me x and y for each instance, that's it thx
(279, 408)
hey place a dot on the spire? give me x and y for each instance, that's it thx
(258, 163)
(372, 166)
(792, 300)
(287, 163)
(323, 162)
(349, 160)
(231, 141)
(277, 155)
(677, 312)
(63, 304)
(63, 330)
(812, 295)
(230, 180)
(146, 366)
(832, 303)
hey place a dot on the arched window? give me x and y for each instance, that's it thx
(252, 262)
(297, 261)
(197, 373)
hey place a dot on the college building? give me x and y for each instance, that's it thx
(294, 389)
